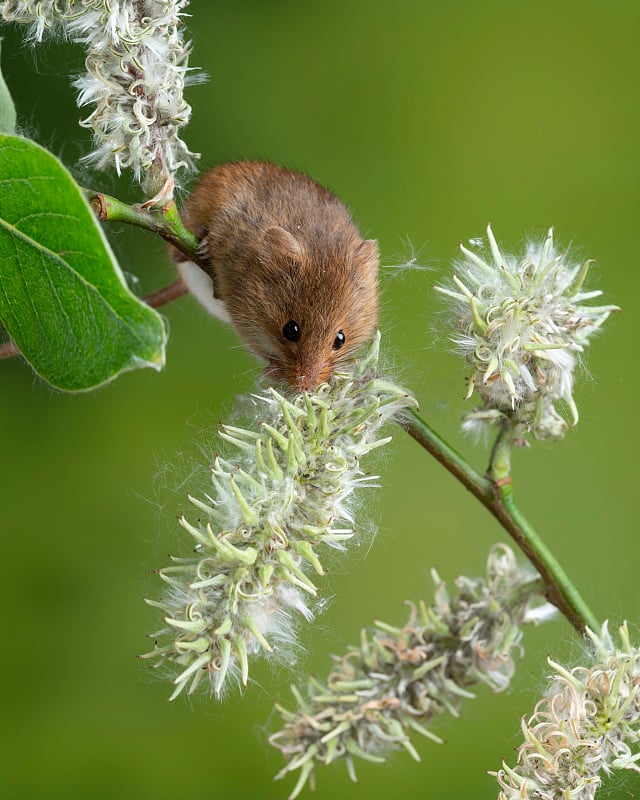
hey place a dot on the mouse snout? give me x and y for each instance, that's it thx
(298, 377)
(310, 378)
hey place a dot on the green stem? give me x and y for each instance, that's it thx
(500, 460)
(560, 590)
(163, 220)
(496, 495)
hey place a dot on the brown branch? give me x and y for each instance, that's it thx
(167, 294)
(8, 349)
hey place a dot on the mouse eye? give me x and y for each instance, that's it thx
(339, 340)
(291, 331)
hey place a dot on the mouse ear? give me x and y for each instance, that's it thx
(277, 243)
(367, 257)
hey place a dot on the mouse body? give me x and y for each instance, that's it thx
(285, 263)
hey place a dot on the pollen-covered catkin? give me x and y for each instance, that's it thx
(400, 678)
(280, 499)
(137, 68)
(585, 727)
(521, 324)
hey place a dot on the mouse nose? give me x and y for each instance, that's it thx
(307, 384)
(311, 379)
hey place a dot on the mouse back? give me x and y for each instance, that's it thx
(285, 257)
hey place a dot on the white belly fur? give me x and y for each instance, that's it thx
(201, 287)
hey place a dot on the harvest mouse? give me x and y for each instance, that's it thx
(285, 264)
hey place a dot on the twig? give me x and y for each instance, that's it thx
(166, 294)
(163, 220)
(8, 349)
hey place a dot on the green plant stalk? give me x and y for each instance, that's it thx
(163, 220)
(496, 495)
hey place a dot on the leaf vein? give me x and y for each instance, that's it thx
(43, 249)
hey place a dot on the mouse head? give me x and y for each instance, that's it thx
(316, 303)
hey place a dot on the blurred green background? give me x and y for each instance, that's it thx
(430, 119)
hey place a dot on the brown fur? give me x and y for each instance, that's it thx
(281, 247)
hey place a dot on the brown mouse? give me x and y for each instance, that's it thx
(285, 264)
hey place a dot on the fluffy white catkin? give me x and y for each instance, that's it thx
(280, 498)
(585, 727)
(137, 67)
(398, 680)
(521, 322)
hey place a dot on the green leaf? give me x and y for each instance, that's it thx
(63, 298)
(7, 109)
